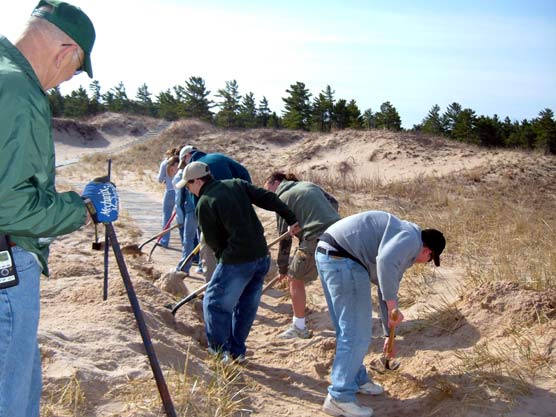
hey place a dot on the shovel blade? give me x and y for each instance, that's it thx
(384, 364)
(390, 364)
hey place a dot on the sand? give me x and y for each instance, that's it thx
(96, 344)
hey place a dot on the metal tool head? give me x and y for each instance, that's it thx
(390, 364)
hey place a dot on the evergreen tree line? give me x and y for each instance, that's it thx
(321, 113)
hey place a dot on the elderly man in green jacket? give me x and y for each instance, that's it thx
(55, 44)
(233, 230)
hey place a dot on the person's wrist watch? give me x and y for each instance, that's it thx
(89, 205)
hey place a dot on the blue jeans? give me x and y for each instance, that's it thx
(20, 362)
(189, 240)
(231, 302)
(168, 204)
(347, 290)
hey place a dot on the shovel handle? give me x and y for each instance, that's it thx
(194, 252)
(190, 297)
(392, 334)
(160, 234)
(271, 283)
(278, 239)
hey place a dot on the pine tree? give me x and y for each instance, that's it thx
(196, 99)
(76, 104)
(248, 111)
(274, 122)
(297, 109)
(323, 110)
(56, 101)
(488, 131)
(263, 113)
(354, 118)
(388, 117)
(341, 116)
(545, 126)
(450, 117)
(464, 127)
(228, 116)
(95, 103)
(117, 100)
(369, 119)
(433, 123)
(144, 104)
(320, 114)
(167, 105)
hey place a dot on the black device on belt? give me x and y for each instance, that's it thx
(8, 273)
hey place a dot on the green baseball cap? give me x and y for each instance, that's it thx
(74, 22)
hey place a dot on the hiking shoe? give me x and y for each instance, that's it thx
(352, 409)
(228, 358)
(370, 388)
(295, 332)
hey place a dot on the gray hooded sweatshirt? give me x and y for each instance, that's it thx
(385, 245)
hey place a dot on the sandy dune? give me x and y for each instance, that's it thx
(96, 344)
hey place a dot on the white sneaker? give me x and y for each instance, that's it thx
(295, 332)
(335, 408)
(370, 388)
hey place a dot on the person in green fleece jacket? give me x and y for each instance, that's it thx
(315, 210)
(232, 229)
(55, 45)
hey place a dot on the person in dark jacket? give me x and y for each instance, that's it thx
(233, 231)
(55, 45)
(221, 168)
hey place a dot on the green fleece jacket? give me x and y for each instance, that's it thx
(314, 208)
(229, 223)
(32, 212)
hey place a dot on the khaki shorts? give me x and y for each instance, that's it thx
(302, 265)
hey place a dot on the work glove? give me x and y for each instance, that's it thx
(102, 200)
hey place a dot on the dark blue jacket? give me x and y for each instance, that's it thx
(222, 167)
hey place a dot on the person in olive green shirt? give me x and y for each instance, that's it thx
(55, 44)
(315, 210)
(235, 234)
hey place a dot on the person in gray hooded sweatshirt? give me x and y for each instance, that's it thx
(372, 246)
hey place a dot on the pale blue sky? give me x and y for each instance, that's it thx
(493, 56)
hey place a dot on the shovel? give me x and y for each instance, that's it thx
(201, 289)
(194, 252)
(136, 249)
(388, 362)
(271, 283)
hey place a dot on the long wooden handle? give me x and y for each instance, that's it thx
(271, 283)
(392, 334)
(194, 252)
(278, 239)
(159, 234)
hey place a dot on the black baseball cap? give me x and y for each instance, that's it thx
(435, 241)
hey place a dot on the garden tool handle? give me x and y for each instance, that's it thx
(392, 334)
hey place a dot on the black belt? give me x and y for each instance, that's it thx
(7, 241)
(339, 251)
(331, 252)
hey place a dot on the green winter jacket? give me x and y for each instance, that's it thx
(31, 211)
(229, 223)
